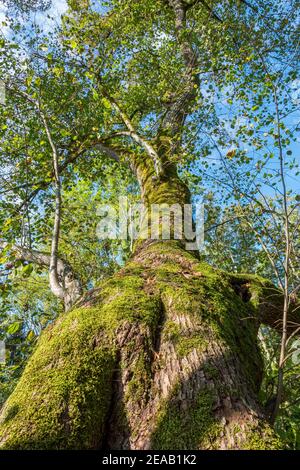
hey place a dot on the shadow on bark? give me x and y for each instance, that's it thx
(117, 426)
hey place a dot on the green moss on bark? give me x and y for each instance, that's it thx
(179, 427)
(63, 396)
(262, 438)
(191, 288)
(184, 342)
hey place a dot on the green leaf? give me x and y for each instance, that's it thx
(27, 270)
(14, 328)
(31, 335)
(106, 103)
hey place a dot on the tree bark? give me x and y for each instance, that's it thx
(163, 355)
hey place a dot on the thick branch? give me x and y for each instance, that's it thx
(109, 152)
(67, 278)
(268, 300)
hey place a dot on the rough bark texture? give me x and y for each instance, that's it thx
(161, 356)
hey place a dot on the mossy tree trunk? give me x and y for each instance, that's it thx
(163, 355)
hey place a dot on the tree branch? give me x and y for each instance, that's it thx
(175, 116)
(213, 14)
(56, 287)
(67, 278)
(269, 301)
(151, 152)
(99, 144)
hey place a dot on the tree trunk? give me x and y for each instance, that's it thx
(163, 355)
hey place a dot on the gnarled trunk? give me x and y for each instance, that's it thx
(163, 355)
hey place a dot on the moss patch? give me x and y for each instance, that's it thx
(263, 438)
(192, 428)
(65, 388)
(63, 396)
(184, 342)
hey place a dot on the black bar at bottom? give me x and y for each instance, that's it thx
(139, 459)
